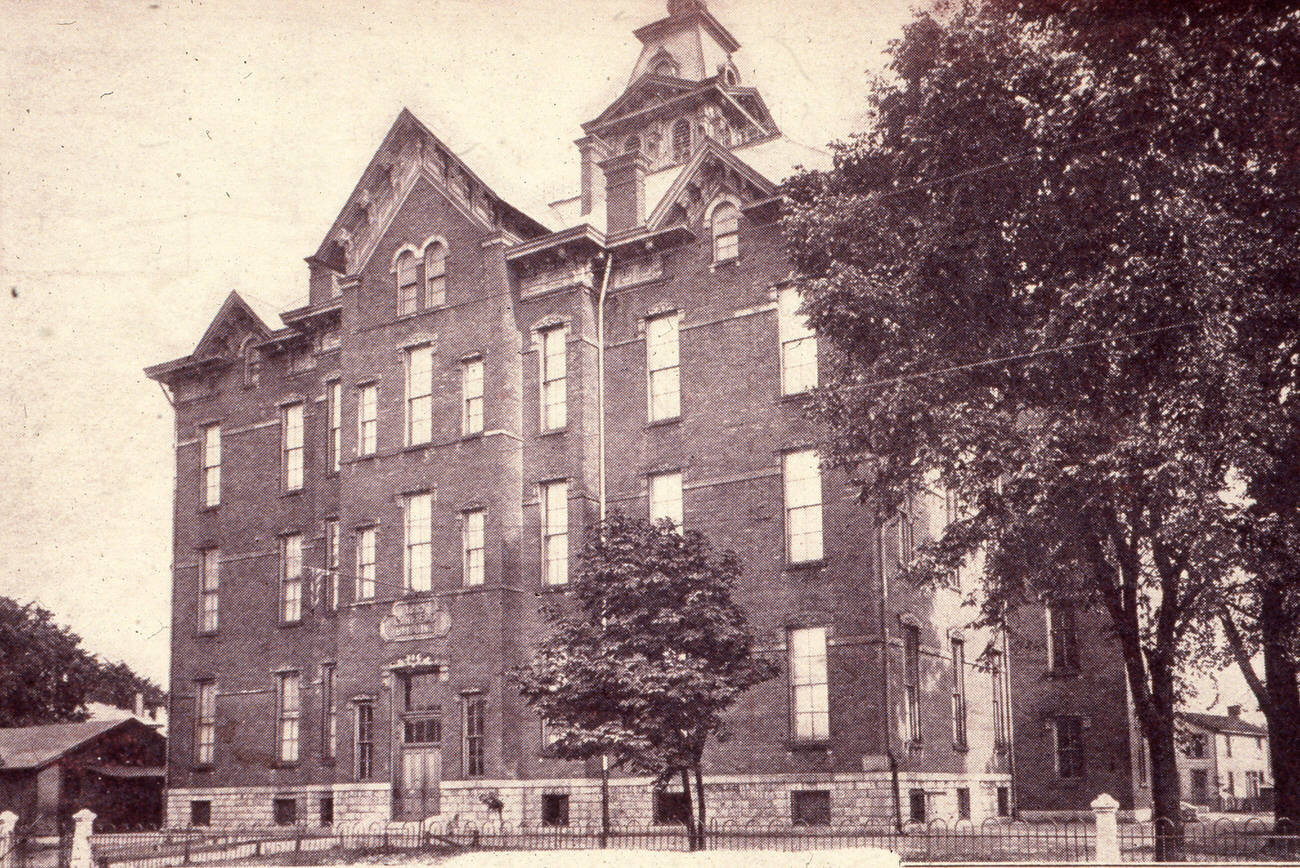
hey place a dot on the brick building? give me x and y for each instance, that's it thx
(375, 499)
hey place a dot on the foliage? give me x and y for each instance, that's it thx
(1032, 276)
(47, 677)
(655, 651)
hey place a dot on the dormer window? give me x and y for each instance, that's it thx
(666, 67)
(726, 232)
(682, 139)
(421, 277)
(730, 77)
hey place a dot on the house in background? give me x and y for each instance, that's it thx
(150, 713)
(113, 767)
(1223, 762)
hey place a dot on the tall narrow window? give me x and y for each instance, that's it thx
(1000, 729)
(291, 578)
(292, 446)
(205, 730)
(803, 506)
(555, 532)
(554, 373)
(681, 139)
(329, 721)
(364, 740)
(365, 582)
(435, 275)
(418, 539)
(209, 585)
(330, 582)
(1065, 642)
(958, 693)
(906, 536)
(211, 465)
(367, 419)
(475, 710)
(798, 344)
(419, 395)
(809, 698)
(726, 232)
(666, 498)
(471, 391)
(912, 680)
(288, 712)
(408, 283)
(334, 437)
(1069, 747)
(662, 366)
(472, 544)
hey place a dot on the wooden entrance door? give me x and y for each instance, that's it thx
(421, 774)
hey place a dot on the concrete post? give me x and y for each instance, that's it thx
(1104, 808)
(8, 823)
(84, 822)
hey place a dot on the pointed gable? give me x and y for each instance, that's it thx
(713, 171)
(221, 342)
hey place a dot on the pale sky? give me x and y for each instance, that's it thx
(157, 155)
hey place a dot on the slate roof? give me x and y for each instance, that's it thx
(1223, 723)
(33, 747)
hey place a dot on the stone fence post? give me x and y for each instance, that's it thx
(8, 823)
(84, 822)
(1104, 808)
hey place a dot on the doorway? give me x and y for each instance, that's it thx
(417, 794)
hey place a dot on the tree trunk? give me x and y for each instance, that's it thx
(1282, 708)
(1165, 797)
(699, 801)
(692, 840)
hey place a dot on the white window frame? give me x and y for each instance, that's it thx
(726, 232)
(363, 740)
(912, 681)
(417, 541)
(367, 419)
(663, 367)
(473, 547)
(407, 268)
(291, 575)
(471, 390)
(435, 275)
(333, 543)
(554, 508)
(665, 496)
(288, 716)
(209, 590)
(328, 712)
(292, 445)
(334, 436)
(471, 703)
(959, 721)
(798, 344)
(804, 542)
(367, 545)
(205, 722)
(419, 395)
(553, 370)
(211, 464)
(809, 685)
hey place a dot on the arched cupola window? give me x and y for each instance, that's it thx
(726, 232)
(682, 139)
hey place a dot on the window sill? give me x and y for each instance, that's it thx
(473, 435)
(724, 263)
(206, 634)
(551, 432)
(291, 493)
(366, 457)
(213, 508)
(290, 624)
(286, 764)
(661, 423)
(820, 744)
(795, 397)
(418, 447)
(553, 589)
(1062, 673)
(818, 564)
(201, 767)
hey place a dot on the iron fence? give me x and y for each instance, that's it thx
(1063, 842)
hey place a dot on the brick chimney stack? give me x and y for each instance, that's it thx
(685, 7)
(624, 191)
(1234, 711)
(592, 150)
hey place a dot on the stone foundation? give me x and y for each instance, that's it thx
(862, 798)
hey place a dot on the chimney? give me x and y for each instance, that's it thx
(139, 704)
(1234, 711)
(684, 7)
(592, 150)
(624, 191)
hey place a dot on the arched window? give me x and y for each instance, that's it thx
(252, 362)
(435, 275)
(730, 77)
(666, 67)
(682, 139)
(408, 282)
(726, 232)
(632, 145)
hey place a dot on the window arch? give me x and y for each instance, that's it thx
(408, 282)
(682, 139)
(665, 66)
(726, 232)
(730, 77)
(252, 362)
(435, 275)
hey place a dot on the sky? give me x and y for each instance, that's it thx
(157, 155)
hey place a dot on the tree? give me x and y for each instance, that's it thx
(655, 651)
(1028, 276)
(47, 677)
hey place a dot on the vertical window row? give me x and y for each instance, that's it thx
(364, 741)
(291, 579)
(209, 589)
(288, 713)
(211, 448)
(331, 581)
(471, 390)
(554, 372)
(809, 695)
(1000, 729)
(205, 722)
(912, 680)
(329, 734)
(418, 541)
(472, 544)
(419, 395)
(959, 693)
(666, 498)
(367, 419)
(1063, 637)
(803, 506)
(726, 232)
(475, 710)
(555, 532)
(662, 359)
(334, 436)
(291, 422)
(365, 579)
(798, 345)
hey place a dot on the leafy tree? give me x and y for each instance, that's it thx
(655, 651)
(47, 677)
(1031, 275)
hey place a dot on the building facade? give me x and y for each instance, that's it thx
(377, 501)
(1223, 762)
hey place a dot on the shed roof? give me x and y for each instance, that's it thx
(33, 747)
